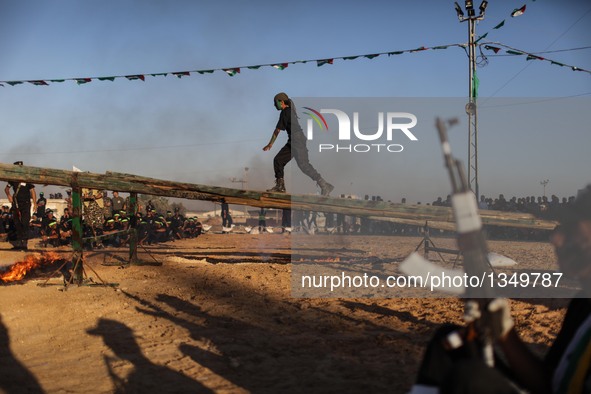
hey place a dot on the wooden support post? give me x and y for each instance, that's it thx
(77, 242)
(133, 225)
(427, 238)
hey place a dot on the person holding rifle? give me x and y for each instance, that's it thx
(22, 198)
(566, 368)
(567, 365)
(461, 359)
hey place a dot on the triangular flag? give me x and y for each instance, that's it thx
(38, 83)
(371, 56)
(475, 85)
(440, 47)
(418, 49)
(254, 67)
(510, 52)
(395, 53)
(323, 62)
(280, 66)
(232, 71)
(534, 57)
(518, 11)
(81, 81)
(205, 71)
(499, 25)
(558, 64)
(182, 74)
(135, 77)
(106, 79)
(494, 49)
(350, 57)
(57, 80)
(160, 74)
(12, 83)
(481, 37)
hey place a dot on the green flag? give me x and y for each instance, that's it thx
(481, 37)
(499, 25)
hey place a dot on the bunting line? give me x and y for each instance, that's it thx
(517, 12)
(230, 71)
(496, 48)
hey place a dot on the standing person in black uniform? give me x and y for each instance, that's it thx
(41, 203)
(226, 217)
(295, 137)
(286, 221)
(22, 198)
(262, 220)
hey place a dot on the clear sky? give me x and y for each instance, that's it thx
(208, 128)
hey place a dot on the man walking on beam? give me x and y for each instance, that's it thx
(295, 136)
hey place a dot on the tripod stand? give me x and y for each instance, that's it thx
(429, 246)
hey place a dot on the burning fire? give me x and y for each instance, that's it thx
(19, 270)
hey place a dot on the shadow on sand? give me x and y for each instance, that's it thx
(146, 376)
(14, 376)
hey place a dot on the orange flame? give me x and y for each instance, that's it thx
(19, 270)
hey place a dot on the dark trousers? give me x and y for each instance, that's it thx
(297, 149)
(227, 219)
(286, 218)
(22, 217)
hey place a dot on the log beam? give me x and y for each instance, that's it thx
(438, 217)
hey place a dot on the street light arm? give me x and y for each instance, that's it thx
(459, 11)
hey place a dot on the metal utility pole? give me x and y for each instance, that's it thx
(471, 107)
(243, 182)
(544, 183)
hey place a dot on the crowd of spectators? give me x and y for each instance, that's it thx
(541, 207)
(104, 222)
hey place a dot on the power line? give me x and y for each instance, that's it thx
(231, 71)
(544, 52)
(494, 46)
(552, 43)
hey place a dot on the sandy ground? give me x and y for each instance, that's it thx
(217, 316)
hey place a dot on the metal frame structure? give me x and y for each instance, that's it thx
(471, 106)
